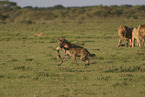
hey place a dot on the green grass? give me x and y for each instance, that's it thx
(28, 64)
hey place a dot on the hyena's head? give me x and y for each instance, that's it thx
(63, 43)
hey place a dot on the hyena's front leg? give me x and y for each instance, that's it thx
(58, 54)
(66, 56)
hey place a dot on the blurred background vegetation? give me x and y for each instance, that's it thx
(10, 12)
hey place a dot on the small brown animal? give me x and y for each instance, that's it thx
(73, 50)
(125, 33)
(38, 34)
(141, 30)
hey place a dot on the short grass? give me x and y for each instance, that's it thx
(28, 64)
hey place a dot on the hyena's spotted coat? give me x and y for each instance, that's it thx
(73, 50)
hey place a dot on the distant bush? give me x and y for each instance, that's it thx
(29, 14)
(58, 7)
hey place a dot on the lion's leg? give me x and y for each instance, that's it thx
(119, 43)
(138, 42)
(133, 42)
(142, 42)
(127, 40)
(130, 40)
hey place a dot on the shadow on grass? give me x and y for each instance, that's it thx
(74, 70)
(126, 69)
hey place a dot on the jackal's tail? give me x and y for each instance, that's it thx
(92, 55)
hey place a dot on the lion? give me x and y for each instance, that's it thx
(141, 30)
(125, 33)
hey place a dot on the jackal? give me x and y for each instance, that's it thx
(73, 50)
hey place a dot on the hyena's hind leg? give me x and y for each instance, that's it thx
(74, 56)
(82, 57)
(87, 62)
(85, 58)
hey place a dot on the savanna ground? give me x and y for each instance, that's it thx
(28, 64)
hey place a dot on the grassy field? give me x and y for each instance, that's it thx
(28, 64)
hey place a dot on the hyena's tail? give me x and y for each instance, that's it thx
(92, 55)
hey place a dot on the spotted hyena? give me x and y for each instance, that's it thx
(73, 50)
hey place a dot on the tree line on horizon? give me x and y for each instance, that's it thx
(11, 12)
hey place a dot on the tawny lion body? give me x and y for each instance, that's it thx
(125, 33)
(73, 50)
(141, 31)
